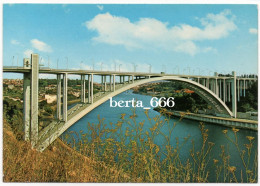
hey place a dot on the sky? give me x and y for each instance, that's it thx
(174, 38)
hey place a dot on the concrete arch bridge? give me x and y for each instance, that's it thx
(215, 90)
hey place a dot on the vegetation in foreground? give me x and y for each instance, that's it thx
(111, 153)
(127, 147)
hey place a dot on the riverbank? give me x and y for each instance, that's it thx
(228, 122)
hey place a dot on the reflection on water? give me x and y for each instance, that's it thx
(183, 129)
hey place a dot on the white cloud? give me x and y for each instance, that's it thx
(27, 53)
(41, 46)
(152, 33)
(15, 42)
(100, 7)
(253, 31)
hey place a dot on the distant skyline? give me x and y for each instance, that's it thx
(189, 39)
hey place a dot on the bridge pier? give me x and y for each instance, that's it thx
(133, 79)
(65, 95)
(110, 82)
(234, 96)
(83, 89)
(34, 99)
(244, 88)
(92, 98)
(59, 96)
(224, 91)
(105, 83)
(88, 88)
(238, 93)
(114, 83)
(27, 105)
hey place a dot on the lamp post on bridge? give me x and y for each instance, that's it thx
(150, 68)
(67, 62)
(101, 66)
(134, 67)
(120, 66)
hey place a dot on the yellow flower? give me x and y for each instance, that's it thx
(248, 146)
(250, 138)
(224, 131)
(123, 116)
(235, 130)
(215, 161)
(232, 168)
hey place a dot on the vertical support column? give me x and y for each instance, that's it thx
(224, 91)
(208, 83)
(92, 88)
(65, 94)
(129, 79)
(105, 83)
(216, 86)
(229, 91)
(27, 105)
(133, 79)
(83, 89)
(89, 89)
(198, 80)
(244, 88)
(102, 83)
(123, 79)
(59, 96)
(241, 88)
(114, 83)
(220, 93)
(238, 93)
(120, 79)
(234, 96)
(34, 98)
(110, 82)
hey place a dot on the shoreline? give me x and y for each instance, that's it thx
(228, 122)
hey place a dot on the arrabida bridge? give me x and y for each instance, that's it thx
(215, 90)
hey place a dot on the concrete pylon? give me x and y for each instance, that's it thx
(83, 89)
(92, 89)
(34, 98)
(234, 95)
(114, 83)
(89, 88)
(65, 93)
(59, 96)
(27, 105)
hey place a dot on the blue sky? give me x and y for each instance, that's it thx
(173, 38)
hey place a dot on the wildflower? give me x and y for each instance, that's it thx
(215, 161)
(248, 146)
(141, 123)
(250, 138)
(232, 168)
(146, 111)
(211, 143)
(249, 172)
(157, 149)
(224, 131)
(235, 130)
(119, 124)
(123, 116)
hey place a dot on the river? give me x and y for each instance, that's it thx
(183, 129)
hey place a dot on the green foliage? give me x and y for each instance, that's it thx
(12, 112)
(249, 102)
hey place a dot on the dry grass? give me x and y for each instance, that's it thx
(58, 163)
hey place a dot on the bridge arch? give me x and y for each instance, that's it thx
(201, 90)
